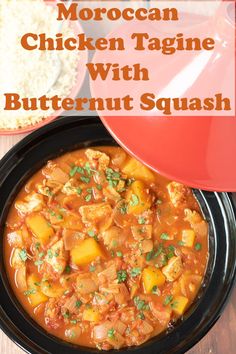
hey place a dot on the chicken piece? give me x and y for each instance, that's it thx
(146, 246)
(85, 284)
(72, 238)
(70, 305)
(102, 301)
(113, 238)
(53, 186)
(71, 187)
(117, 328)
(100, 331)
(173, 269)
(178, 193)
(192, 216)
(197, 223)
(117, 341)
(56, 257)
(145, 328)
(162, 313)
(58, 175)
(52, 314)
(110, 193)
(32, 202)
(123, 295)
(141, 232)
(16, 259)
(15, 239)
(190, 284)
(43, 189)
(99, 159)
(100, 214)
(109, 273)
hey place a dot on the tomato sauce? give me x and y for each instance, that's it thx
(102, 252)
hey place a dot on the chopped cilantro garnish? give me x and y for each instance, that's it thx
(80, 170)
(51, 212)
(181, 243)
(122, 276)
(141, 304)
(111, 333)
(134, 200)
(168, 300)
(112, 177)
(149, 255)
(91, 233)
(114, 243)
(73, 321)
(85, 179)
(92, 268)
(37, 245)
(73, 171)
(135, 272)
(99, 187)
(174, 304)
(198, 247)
(30, 292)
(119, 254)
(171, 250)
(141, 220)
(23, 255)
(66, 314)
(50, 254)
(141, 316)
(79, 190)
(159, 251)
(154, 254)
(155, 289)
(164, 236)
(41, 254)
(123, 209)
(165, 260)
(78, 303)
(38, 263)
(88, 197)
(67, 269)
(87, 168)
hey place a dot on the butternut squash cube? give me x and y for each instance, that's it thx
(91, 315)
(138, 198)
(179, 304)
(86, 252)
(188, 237)
(135, 169)
(152, 277)
(34, 293)
(40, 227)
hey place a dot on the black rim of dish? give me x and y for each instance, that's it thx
(69, 133)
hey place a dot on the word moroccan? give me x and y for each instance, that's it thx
(74, 13)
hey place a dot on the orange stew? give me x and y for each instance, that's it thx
(102, 252)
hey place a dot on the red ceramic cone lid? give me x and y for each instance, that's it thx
(197, 151)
